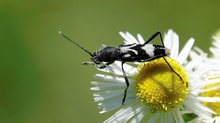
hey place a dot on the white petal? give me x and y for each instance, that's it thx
(209, 99)
(126, 41)
(129, 39)
(132, 38)
(168, 37)
(185, 51)
(140, 114)
(195, 62)
(100, 96)
(198, 108)
(107, 86)
(110, 79)
(175, 46)
(110, 105)
(122, 115)
(140, 39)
(154, 118)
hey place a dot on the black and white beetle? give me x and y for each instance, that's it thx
(127, 53)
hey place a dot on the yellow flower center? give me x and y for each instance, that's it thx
(159, 87)
(215, 106)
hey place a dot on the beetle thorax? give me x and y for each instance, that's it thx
(107, 54)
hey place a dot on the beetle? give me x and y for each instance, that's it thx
(127, 53)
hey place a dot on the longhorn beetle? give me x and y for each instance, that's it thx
(127, 53)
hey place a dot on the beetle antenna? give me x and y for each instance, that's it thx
(75, 43)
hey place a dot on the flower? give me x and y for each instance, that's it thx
(160, 90)
(212, 78)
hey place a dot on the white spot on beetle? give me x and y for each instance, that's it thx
(149, 49)
(127, 55)
(126, 49)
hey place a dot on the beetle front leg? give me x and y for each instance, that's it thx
(100, 66)
(96, 65)
(103, 65)
(88, 63)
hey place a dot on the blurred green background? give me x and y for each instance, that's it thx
(41, 76)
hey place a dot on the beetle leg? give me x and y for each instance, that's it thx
(127, 83)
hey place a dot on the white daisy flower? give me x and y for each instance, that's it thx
(212, 77)
(155, 94)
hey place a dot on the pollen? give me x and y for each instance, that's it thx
(214, 91)
(162, 85)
